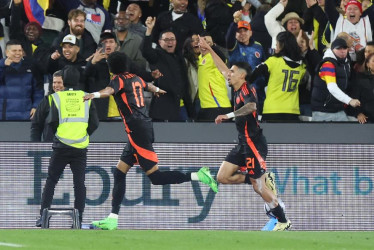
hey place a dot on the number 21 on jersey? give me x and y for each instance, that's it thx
(250, 162)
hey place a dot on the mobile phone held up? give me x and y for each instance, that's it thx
(101, 45)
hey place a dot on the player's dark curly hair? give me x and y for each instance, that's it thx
(246, 67)
(118, 62)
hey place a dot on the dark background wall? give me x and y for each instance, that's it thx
(223, 133)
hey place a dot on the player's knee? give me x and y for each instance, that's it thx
(257, 187)
(123, 167)
(156, 178)
(52, 181)
(221, 178)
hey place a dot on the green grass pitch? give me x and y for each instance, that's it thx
(52, 239)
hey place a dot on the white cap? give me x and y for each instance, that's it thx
(70, 39)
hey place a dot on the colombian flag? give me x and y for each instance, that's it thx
(35, 10)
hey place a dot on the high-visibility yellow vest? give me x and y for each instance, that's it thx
(73, 118)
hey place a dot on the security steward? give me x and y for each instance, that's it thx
(39, 126)
(72, 122)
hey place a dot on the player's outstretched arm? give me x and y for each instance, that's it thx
(155, 90)
(100, 94)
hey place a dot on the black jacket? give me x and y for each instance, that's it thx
(174, 81)
(363, 90)
(324, 32)
(78, 66)
(322, 99)
(218, 19)
(183, 27)
(40, 130)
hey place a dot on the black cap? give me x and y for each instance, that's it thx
(339, 43)
(107, 34)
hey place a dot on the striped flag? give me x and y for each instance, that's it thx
(35, 10)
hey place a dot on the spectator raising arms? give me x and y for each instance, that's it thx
(357, 26)
(291, 22)
(176, 104)
(366, 4)
(242, 48)
(212, 92)
(218, 16)
(284, 72)
(316, 20)
(182, 23)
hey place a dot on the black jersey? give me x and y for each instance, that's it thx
(129, 96)
(247, 125)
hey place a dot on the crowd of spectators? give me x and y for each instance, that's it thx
(312, 60)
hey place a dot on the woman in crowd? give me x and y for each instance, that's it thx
(191, 52)
(283, 72)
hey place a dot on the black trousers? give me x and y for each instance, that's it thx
(77, 158)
